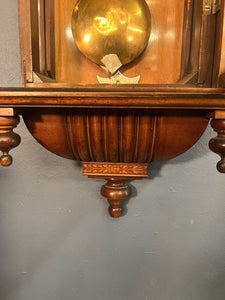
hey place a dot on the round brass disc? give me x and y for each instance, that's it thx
(102, 27)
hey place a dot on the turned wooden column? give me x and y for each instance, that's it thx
(217, 144)
(8, 138)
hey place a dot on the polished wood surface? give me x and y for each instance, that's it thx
(24, 12)
(36, 14)
(8, 138)
(50, 38)
(177, 131)
(106, 127)
(4, 112)
(219, 45)
(209, 42)
(120, 97)
(219, 69)
(116, 191)
(191, 40)
(217, 144)
(116, 135)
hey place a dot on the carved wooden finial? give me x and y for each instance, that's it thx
(116, 191)
(8, 138)
(217, 144)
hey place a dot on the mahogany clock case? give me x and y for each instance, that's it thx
(179, 53)
(114, 139)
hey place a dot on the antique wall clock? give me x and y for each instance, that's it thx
(118, 84)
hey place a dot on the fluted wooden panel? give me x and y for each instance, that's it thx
(71, 136)
(96, 129)
(147, 138)
(117, 135)
(111, 122)
(129, 126)
(129, 134)
(78, 124)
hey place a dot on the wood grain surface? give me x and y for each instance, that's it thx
(116, 135)
(117, 96)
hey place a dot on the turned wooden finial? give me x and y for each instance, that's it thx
(8, 138)
(116, 191)
(217, 144)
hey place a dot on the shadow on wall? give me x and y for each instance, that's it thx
(199, 150)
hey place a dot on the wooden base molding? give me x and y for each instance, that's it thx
(8, 138)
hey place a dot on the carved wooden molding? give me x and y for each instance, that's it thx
(115, 169)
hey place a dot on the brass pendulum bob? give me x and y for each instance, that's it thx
(111, 33)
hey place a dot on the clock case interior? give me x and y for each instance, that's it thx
(181, 48)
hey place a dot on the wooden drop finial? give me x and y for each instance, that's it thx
(8, 138)
(116, 191)
(217, 144)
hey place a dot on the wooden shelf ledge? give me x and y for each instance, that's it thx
(120, 97)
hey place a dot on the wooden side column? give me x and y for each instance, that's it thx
(116, 174)
(217, 144)
(8, 138)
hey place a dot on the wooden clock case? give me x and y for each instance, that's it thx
(117, 130)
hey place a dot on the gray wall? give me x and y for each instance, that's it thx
(57, 241)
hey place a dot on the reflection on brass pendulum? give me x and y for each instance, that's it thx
(112, 33)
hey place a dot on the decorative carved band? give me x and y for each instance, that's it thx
(115, 169)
